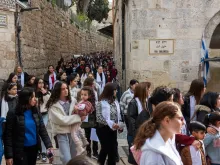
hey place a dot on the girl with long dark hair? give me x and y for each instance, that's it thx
(73, 81)
(108, 116)
(8, 99)
(60, 107)
(87, 70)
(192, 98)
(12, 78)
(210, 102)
(91, 123)
(135, 107)
(30, 81)
(23, 129)
(42, 96)
(50, 77)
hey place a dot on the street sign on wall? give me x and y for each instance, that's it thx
(161, 46)
(3, 20)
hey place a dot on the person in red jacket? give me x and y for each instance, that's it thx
(114, 72)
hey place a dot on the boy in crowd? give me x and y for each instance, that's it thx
(191, 155)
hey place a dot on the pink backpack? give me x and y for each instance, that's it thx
(136, 154)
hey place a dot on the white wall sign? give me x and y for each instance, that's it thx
(161, 46)
(3, 20)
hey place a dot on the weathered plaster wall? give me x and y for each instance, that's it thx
(181, 20)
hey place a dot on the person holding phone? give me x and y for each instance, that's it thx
(23, 129)
(108, 116)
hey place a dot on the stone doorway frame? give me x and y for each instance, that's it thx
(210, 28)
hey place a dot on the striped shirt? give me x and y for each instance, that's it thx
(125, 100)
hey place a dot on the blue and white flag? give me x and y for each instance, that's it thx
(205, 64)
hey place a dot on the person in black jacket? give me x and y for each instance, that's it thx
(210, 102)
(137, 105)
(192, 98)
(22, 76)
(23, 128)
(12, 78)
(8, 100)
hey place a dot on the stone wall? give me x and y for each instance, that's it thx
(8, 5)
(182, 21)
(7, 39)
(48, 35)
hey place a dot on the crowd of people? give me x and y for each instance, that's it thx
(81, 101)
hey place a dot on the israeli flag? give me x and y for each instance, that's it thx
(205, 64)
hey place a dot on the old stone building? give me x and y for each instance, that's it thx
(45, 34)
(160, 40)
(7, 37)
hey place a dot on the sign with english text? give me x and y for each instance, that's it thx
(161, 46)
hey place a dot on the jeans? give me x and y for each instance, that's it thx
(67, 148)
(108, 140)
(45, 120)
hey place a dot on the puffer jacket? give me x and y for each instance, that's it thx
(200, 112)
(15, 134)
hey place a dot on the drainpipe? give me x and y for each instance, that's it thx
(123, 45)
(18, 31)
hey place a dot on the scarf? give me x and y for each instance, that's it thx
(101, 82)
(140, 108)
(22, 79)
(4, 106)
(50, 81)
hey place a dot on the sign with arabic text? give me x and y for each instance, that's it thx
(3, 20)
(161, 47)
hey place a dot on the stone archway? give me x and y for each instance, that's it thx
(212, 33)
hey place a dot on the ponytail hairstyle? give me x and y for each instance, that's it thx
(212, 118)
(148, 129)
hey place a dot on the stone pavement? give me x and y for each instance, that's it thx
(122, 145)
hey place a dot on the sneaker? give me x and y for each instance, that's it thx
(44, 157)
(95, 156)
(38, 156)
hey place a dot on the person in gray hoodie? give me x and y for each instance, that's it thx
(212, 142)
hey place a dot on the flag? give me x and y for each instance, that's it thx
(205, 64)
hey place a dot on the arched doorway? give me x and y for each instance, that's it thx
(212, 36)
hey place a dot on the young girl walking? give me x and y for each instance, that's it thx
(83, 108)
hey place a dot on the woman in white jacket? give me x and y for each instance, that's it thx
(60, 107)
(42, 96)
(155, 137)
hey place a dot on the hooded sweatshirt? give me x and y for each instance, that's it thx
(156, 151)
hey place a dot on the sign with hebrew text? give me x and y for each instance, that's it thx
(3, 20)
(161, 47)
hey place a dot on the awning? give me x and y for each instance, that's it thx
(108, 30)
